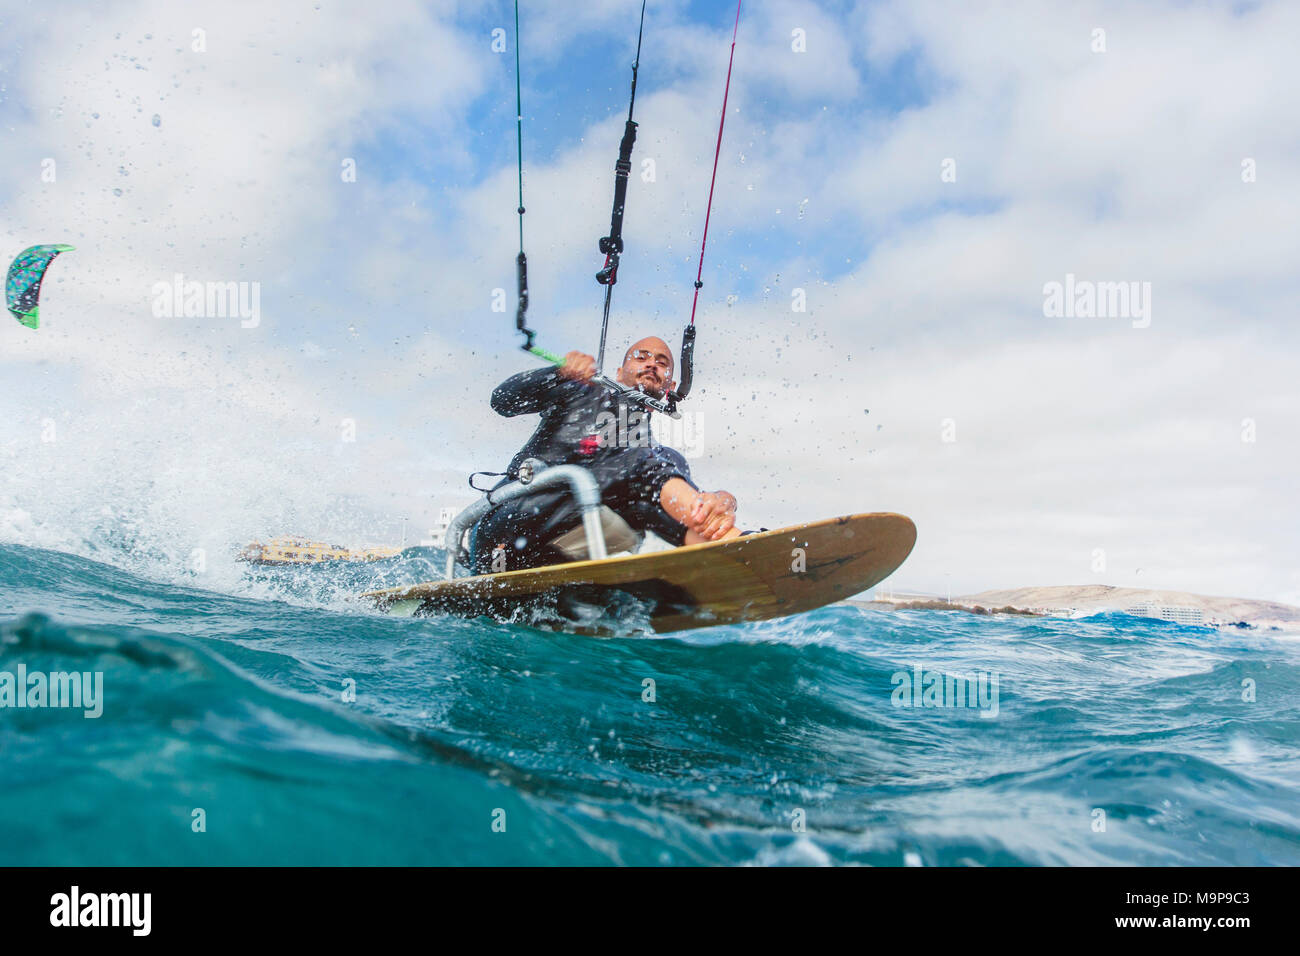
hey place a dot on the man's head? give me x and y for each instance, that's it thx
(649, 365)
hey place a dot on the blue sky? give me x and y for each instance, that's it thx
(585, 80)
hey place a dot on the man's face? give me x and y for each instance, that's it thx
(648, 365)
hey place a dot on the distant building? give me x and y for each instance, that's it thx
(887, 595)
(1180, 614)
(290, 550)
(438, 534)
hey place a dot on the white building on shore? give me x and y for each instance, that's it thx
(438, 533)
(1177, 613)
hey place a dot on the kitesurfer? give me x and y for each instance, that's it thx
(646, 484)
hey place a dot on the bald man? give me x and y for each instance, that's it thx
(645, 483)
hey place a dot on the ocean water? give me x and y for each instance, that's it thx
(229, 734)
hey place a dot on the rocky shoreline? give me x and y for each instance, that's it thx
(1084, 600)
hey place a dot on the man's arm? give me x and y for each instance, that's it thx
(533, 391)
(707, 515)
(524, 393)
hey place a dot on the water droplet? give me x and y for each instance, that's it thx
(157, 120)
(117, 192)
(94, 116)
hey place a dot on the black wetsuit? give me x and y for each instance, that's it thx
(582, 424)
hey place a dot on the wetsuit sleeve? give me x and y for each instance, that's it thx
(527, 392)
(671, 464)
(647, 514)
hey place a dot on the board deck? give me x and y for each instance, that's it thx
(750, 578)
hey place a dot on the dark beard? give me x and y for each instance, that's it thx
(654, 391)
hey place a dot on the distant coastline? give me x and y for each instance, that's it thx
(1087, 599)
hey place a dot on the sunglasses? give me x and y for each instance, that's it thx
(663, 361)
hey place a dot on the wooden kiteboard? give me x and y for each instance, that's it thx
(750, 578)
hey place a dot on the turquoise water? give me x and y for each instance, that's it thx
(777, 743)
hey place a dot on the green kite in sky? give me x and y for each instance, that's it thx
(23, 283)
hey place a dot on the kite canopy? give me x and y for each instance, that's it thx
(23, 283)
